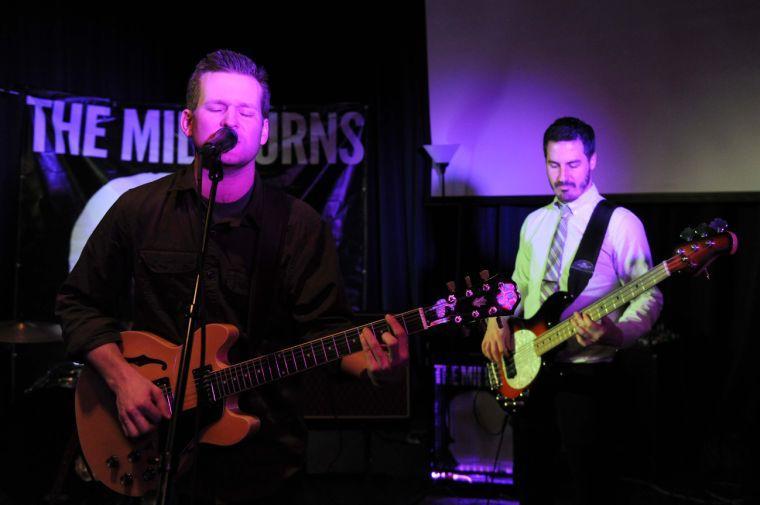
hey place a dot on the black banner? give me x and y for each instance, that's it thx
(82, 153)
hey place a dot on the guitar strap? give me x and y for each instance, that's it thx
(266, 267)
(585, 258)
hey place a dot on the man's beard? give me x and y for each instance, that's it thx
(584, 185)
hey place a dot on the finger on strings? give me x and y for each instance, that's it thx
(161, 403)
(389, 339)
(373, 348)
(398, 330)
(499, 346)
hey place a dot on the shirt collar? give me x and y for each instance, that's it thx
(590, 197)
(184, 182)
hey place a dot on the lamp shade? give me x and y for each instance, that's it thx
(441, 153)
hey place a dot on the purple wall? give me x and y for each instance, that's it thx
(672, 89)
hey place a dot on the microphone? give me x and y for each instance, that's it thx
(220, 142)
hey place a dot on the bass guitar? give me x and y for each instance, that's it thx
(510, 378)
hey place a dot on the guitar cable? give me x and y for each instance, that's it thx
(478, 420)
(498, 451)
(500, 433)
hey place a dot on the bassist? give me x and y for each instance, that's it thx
(568, 406)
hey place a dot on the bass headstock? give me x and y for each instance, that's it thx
(703, 246)
(490, 296)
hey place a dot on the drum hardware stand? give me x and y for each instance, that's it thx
(16, 331)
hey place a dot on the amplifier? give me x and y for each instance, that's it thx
(472, 439)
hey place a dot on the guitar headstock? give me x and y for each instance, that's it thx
(703, 245)
(490, 296)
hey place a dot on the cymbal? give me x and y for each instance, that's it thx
(29, 332)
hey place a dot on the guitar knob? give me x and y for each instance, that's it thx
(134, 456)
(475, 314)
(112, 462)
(127, 479)
(155, 460)
(149, 475)
(492, 311)
(457, 319)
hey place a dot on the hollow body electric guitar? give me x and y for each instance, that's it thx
(535, 337)
(130, 466)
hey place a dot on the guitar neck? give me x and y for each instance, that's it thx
(609, 303)
(278, 365)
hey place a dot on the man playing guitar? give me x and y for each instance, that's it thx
(566, 405)
(271, 271)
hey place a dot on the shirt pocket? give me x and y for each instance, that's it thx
(168, 262)
(164, 281)
(237, 282)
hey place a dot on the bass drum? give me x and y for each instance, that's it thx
(41, 462)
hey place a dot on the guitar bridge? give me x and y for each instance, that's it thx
(493, 374)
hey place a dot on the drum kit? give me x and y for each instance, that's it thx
(41, 462)
(15, 333)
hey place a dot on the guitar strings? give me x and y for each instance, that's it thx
(653, 276)
(340, 342)
(343, 345)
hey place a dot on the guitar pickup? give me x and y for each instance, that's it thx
(508, 362)
(204, 386)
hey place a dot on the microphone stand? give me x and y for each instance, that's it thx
(211, 160)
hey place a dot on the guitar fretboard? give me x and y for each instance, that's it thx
(280, 364)
(597, 310)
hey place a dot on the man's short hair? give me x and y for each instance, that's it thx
(571, 128)
(225, 60)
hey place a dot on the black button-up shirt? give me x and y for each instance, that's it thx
(147, 245)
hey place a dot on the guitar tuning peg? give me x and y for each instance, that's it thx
(452, 298)
(484, 275)
(719, 225)
(703, 230)
(688, 234)
(468, 282)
